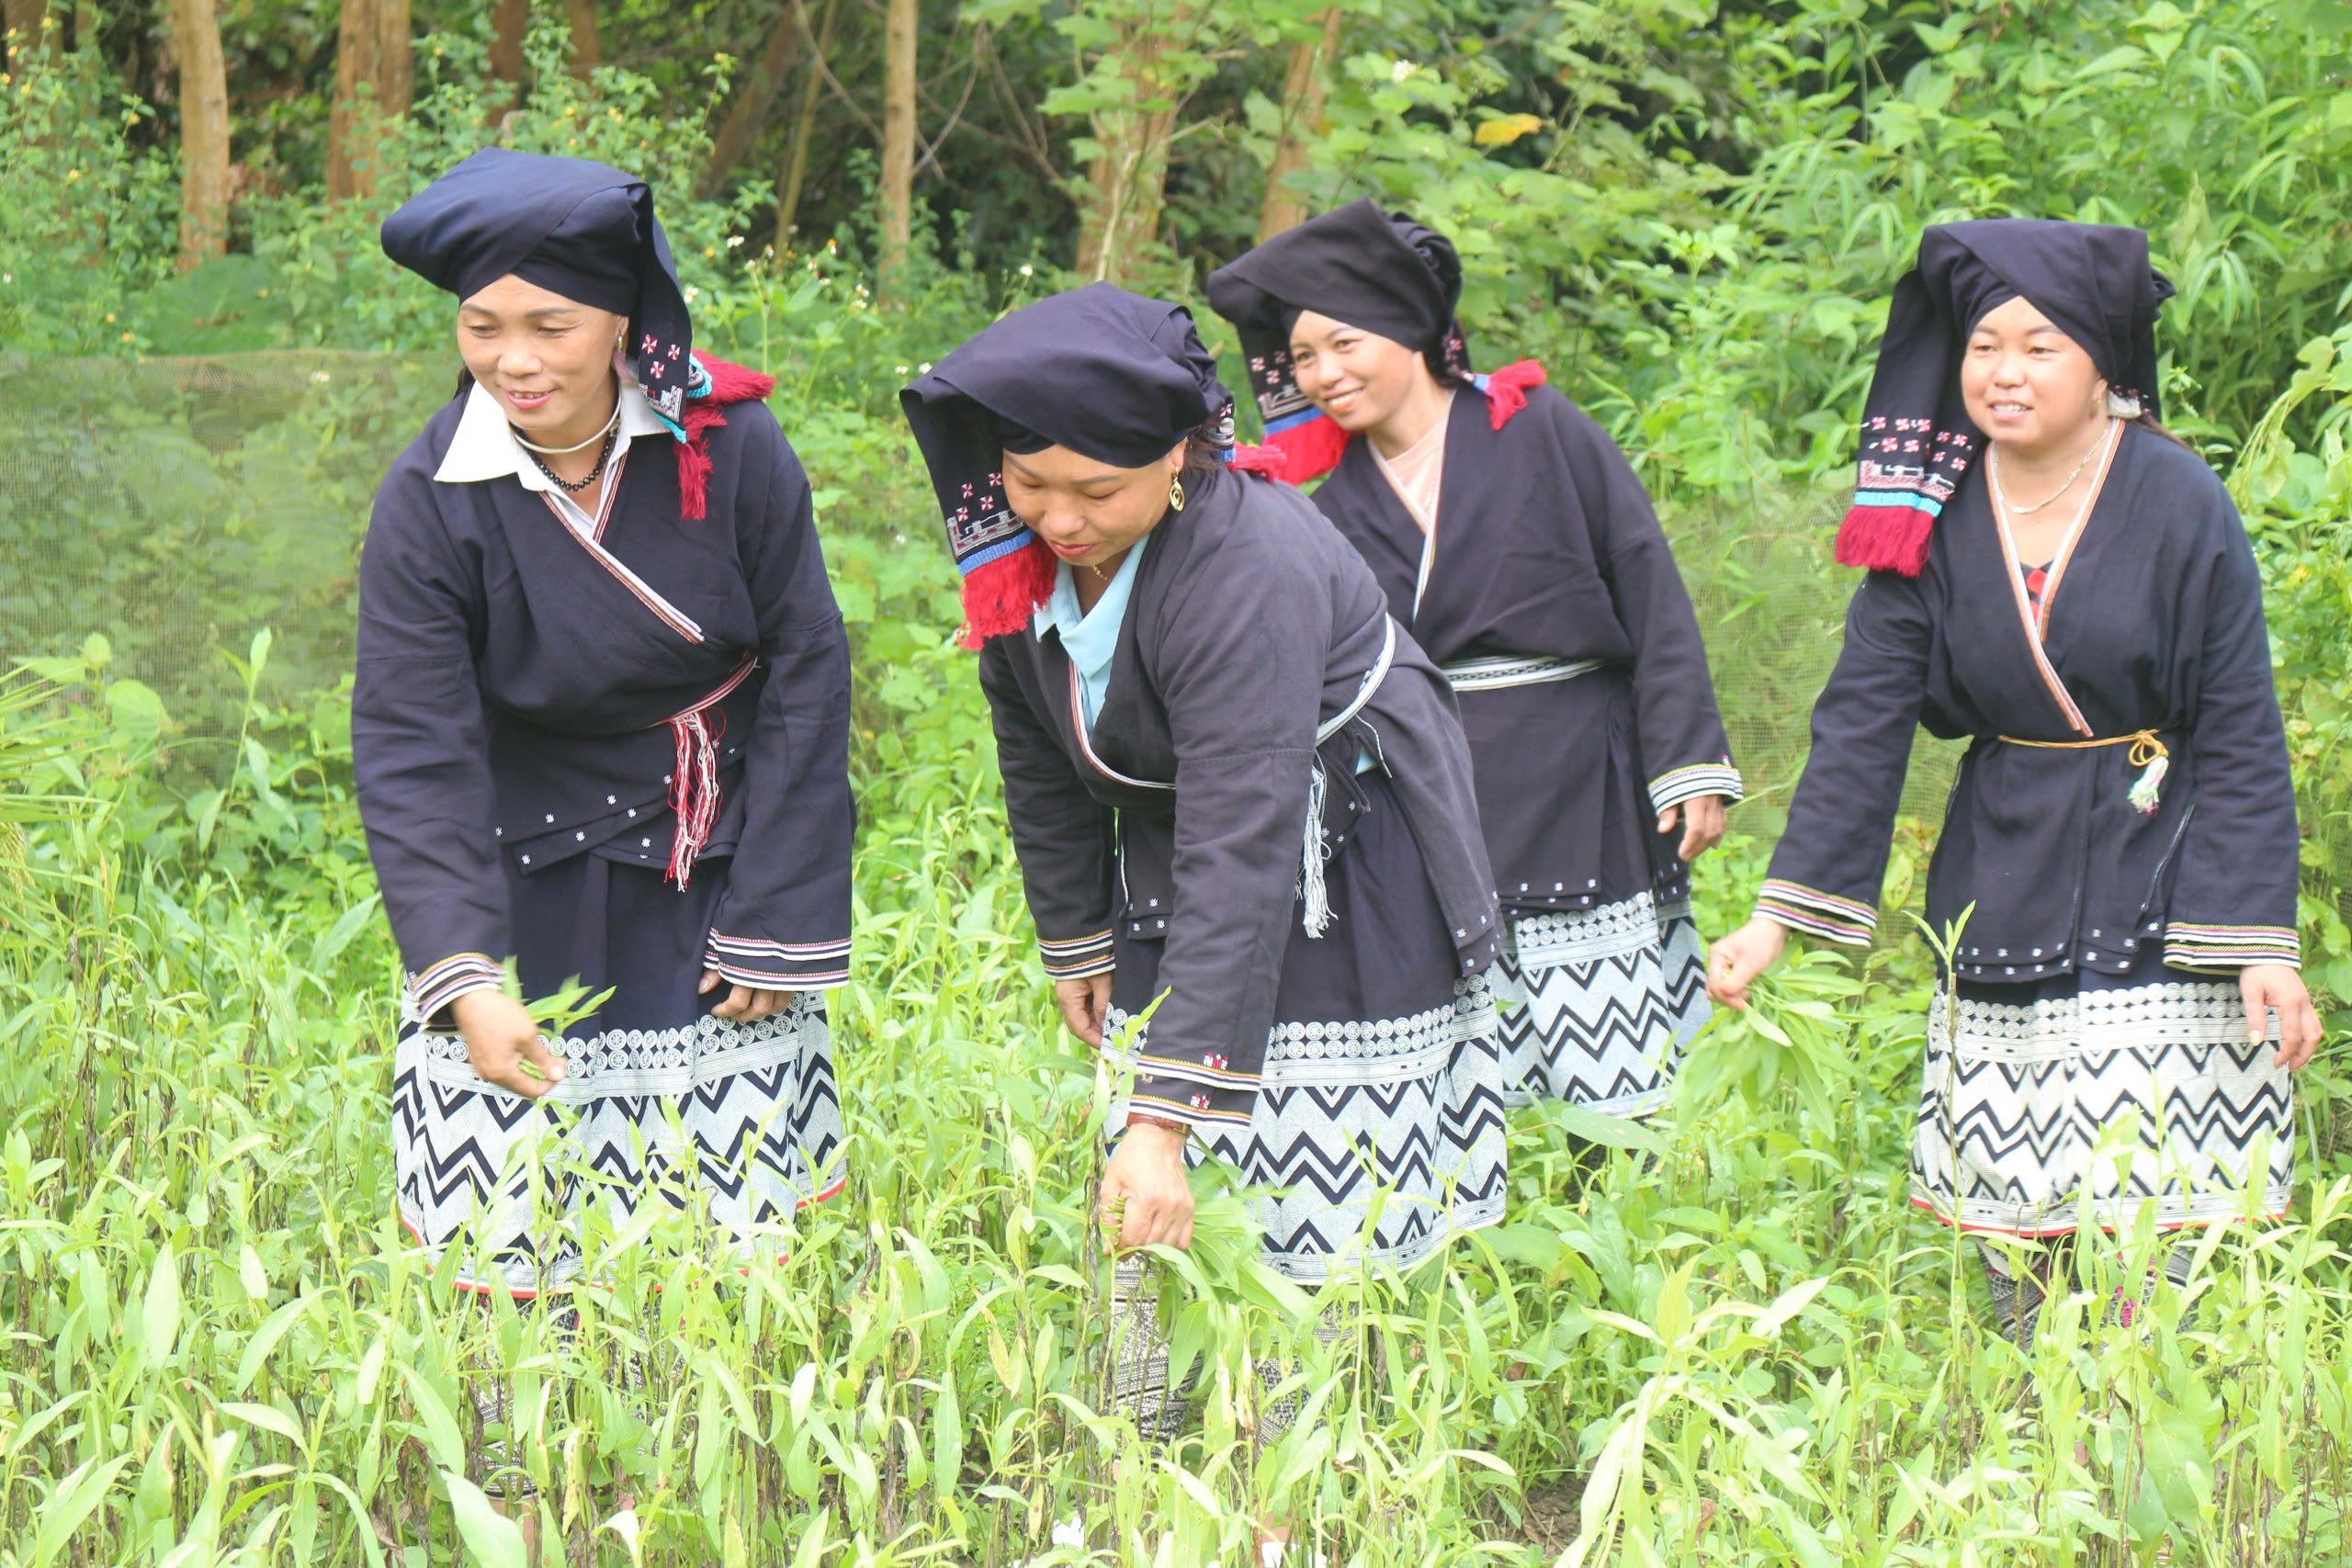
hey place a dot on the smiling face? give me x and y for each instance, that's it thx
(1088, 512)
(546, 359)
(2028, 385)
(1360, 379)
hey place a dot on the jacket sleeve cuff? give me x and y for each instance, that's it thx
(1816, 913)
(1672, 788)
(433, 989)
(2231, 947)
(1073, 958)
(778, 966)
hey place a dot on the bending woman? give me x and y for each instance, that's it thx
(2055, 579)
(1231, 778)
(600, 728)
(1510, 536)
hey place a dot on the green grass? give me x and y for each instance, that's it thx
(1731, 1341)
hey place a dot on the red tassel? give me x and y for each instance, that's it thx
(1271, 461)
(1310, 449)
(1507, 390)
(1003, 595)
(694, 794)
(730, 383)
(1885, 538)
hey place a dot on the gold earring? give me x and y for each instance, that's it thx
(1176, 495)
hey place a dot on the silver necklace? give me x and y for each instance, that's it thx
(2013, 508)
(602, 431)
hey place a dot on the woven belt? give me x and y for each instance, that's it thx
(2148, 754)
(1493, 675)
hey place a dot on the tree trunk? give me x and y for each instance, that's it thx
(804, 120)
(587, 50)
(508, 22)
(204, 132)
(1128, 180)
(351, 162)
(898, 135)
(753, 99)
(395, 58)
(1304, 86)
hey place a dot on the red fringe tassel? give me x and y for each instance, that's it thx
(730, 383)
(693, 793)
(1003, 595)
(1271, 461)
(1310, 449)
(1507, 390)
(1885, 538)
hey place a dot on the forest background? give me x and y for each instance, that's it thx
(1732, 1341)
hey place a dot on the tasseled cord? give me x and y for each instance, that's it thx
(694, 791)
(1315, 915)
(999, 596)
(1885, 538)
(730, 383)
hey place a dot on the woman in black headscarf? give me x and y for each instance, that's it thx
(599, 730)
(1234, 784)
(1511, 536)
(2055, 579)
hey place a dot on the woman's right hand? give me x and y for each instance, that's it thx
(1084, 1002)
(1734, 960)
(502, 1041)
(1144, 1189)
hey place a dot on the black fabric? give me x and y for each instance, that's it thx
(580, 229)
(1113, 376)
(2155, 622)
(1546, 546)
(509, 712)
(1250, 621)
(1376, 271)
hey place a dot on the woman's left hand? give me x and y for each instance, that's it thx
(2268, 986)
(1701, 819)
(744, 1004)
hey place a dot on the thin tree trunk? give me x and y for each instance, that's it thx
(395, 58)
(351, 165)
(897, 134)
(1304, 87)
(204, 132)
(1128, 180)
(587, 50)
(804, 120)
(508, 22)
(749, 114)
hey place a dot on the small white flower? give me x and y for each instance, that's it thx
(926, 368)
(733, 241)
(7, 277)
(1401, 69)
(321, 377)
(690, 292)
(1028, 271)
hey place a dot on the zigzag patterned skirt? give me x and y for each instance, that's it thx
(2120, 1089)
(661, 1098)
(1599, 1003)
(1382, 1070)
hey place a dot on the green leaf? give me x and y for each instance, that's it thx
(491, 1539)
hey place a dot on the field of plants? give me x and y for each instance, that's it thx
(1721, 1338)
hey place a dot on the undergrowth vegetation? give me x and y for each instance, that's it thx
(1722, 1337)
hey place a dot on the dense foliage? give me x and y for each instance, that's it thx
(1731, 1342)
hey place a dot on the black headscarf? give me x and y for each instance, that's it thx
(2092, 280)
(576, 228)
(1379, 272)
(1116, 376)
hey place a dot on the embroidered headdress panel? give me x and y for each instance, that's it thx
(1113, 375)
(2092, 280)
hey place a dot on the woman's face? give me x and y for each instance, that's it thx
(2028, 385)
(1088, 512)
(1360, 379)
(546, 359)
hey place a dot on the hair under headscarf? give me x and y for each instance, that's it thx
(1116, 376)
(587, 231)
(2094, 283)
(1379, 272)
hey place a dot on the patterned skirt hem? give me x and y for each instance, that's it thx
(1624, 1106)
(2107, 1214)
(1317, 1269)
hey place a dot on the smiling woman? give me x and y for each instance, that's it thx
(600, 731)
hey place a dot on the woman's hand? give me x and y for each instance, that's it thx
(1702, 821)
(2268, 986)
(744, 1004)
(503, 1046)
(1144, 1189)
(1084, 1001)
(1734, 960)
